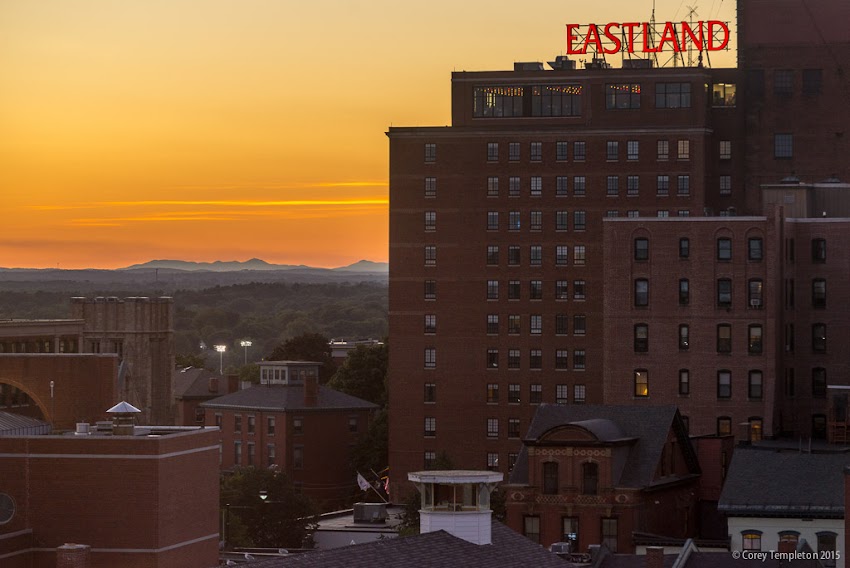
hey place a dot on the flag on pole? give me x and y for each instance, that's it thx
(362, 483)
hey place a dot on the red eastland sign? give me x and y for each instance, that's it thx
(712, 35)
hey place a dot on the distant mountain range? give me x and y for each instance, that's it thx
(253, 264)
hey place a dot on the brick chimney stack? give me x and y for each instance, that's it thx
(72, 555)
(654, 557)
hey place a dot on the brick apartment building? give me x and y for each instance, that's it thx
(504, 273)
(290, 421)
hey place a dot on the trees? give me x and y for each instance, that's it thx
(364, 374)
(307, 347)
(283, 519)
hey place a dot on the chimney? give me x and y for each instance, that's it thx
(654, 557)
(232, 383)
(311, 389)
(71, 555)
(214, 385)
(123, 419)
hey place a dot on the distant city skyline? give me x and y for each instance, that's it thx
(217, 130)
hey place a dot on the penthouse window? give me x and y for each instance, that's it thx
(497, 102)
(622, 96)
(723, 95)
(672, 95)
(556, 100)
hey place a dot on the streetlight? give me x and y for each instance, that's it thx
(246, 344)
(221, 349)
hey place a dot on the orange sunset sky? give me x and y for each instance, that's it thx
(225, 130)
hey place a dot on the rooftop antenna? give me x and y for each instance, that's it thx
(651, 33)
(692, 11)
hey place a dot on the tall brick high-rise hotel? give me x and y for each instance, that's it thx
(638, 235)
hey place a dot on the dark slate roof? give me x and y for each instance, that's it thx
(285, 397)
(194, 382)
(18, 425)
(771, 483)
(431, 550)
(649, 424)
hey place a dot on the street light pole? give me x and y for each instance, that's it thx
(246, 344)
(221, 349)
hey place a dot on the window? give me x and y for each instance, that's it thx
(492, 427)
(536, 324)
(513, 324)
(579, 392)
(684, 291)
(513, 151)
(270, 425)
(790, 383)
(297, 425)
(493, 461)
(578, 359)
(562, 394)
(497, 101)
(237, 424)
(430, 426)
(536, 186)
(353, 424)
(561, 186)
(492, 255)
(492, 289)
(819, 338)
(569, 531)
(684, 382)
(684, 337)
(536, 255)
(633, 214)
(632, 185)
(724, 249)
(724, 292)
(430, 394)
(755, 249)
(237, 452)
(579, 324)
(492, 358)
(641, 382)
(613, 150)
(492, 220)
(513, 393)
(251, 453)
(252, 424)
(578, 220)
(754, 385)
(818, 250)
(579, 151)
(514, 289)
(492, 187)
(430, 357)
(812, 80)
(513, 186)
(641, 292)
(270, 452)
(819, 382)
(579, 186)
(562, 220)
(818, 293)
(561, 359)
(492, 393)
(492, 324)
(724, 384)
(430, 187)
(550, 478)
(827, 548)
(430, 152)
(561, 255)
(561, 150)
(536, 149)
(684, 213)
(589, 478)
(755, 292)
(723, 94)
(684, 248)
(514, 221)
(783, 82)
(513, 359)
(562, 324)
(613, 186)
(756, 428)
(535, 394)
(641, 246)
(641, 338)
(492, 151)
(672, 95)
(754, 341)
(609, 534)
(684, 149)
(724, 426)
(513, 255)
(536, 220)
(683, 187)
(578, 289)
(663, 213)
(430, 255)
(724, 338)
(579, 255)
(430, 323)
(632, 150)
(535, 360)
(751, 540)
(725, 150)
(430, 289)
(783, 146)
(535, 290)
(663, 150)
(622, 96)
(531, 528)
(429, 460)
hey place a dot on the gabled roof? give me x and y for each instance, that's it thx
(778, 484)
(286, 397)
(191, 382)
(434, 550)
(647, 426)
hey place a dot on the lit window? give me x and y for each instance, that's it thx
(641, 383)
(751, 540)
(724, 426)
(684, 149)
(723, 94)
(622, 96)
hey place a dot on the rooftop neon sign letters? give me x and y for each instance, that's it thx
(642, 37)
